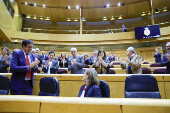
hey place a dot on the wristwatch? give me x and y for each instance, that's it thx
(29, 67)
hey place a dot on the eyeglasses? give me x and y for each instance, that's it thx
(167, 46)
(29, 47)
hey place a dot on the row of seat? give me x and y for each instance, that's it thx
(145, 71)
(136, 86)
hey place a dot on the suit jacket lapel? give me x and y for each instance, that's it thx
(31, 58)
(23, 57)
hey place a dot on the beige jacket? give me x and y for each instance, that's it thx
(135, 64)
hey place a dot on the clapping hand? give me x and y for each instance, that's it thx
(5, 56)
(120, 59)
(100, 58)
(34, 64)
(168, 57)
(127, 60)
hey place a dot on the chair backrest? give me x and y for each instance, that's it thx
(112, 66)
(116, 63)
(61, 71)
(86, 66)
(4, 85)
(105, 90)
(159, 71)
(155, 65)
(49, 86)
(146, 70)
(38, 71)
(141, 86)
(145, 62)
(111, 71)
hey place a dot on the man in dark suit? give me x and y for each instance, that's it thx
(112, 57)
(76, 62)
(157, 56)
(39, 56)
(166, 59)
(23, 65)
(51, 65)
(45, 57)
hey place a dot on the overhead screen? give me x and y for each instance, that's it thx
(145, 32)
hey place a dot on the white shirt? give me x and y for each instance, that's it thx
(29, 62)
(49, 67)
(82, 95)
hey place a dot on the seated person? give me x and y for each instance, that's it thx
(86, 59)
(51, 65)
(63, 60)
(100, 64)
(133, 63)
(91, 87)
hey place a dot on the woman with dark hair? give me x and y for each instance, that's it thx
(5, 60)
(86, 59)
(100, 64)
(63, 60)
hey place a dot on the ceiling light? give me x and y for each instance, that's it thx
(47, 18)
(41, 18)
(107, 5)
(12, 0)
(77, 7)
(120, 17)
(35, 4)
(44, 5)
(156, 10)
(112, 19)
(75, 19)
(161, 23)
(118, 4)
(28, 16)
(165, 9)
(143, 14)
(25, 3)
(69, 7)
(104, 18)
(68, 19)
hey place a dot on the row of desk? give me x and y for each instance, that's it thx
(38, 104)
(70, 83)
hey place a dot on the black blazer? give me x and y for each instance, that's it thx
(65, 64)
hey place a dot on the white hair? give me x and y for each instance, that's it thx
(131, 49)
(33, 50)
(37, 49)
(73, 49)
(168, 43)
(16, 49)
(95, 51)
(43, 51)
(156, 49)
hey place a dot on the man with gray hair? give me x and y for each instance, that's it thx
(76, 62)
(166, 59)
(157, 56)
(133, 63)
(45, 57)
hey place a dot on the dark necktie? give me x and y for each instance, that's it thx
(129, 69)
(28, 63)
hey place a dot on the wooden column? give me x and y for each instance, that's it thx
(81, 23)
(151, 11)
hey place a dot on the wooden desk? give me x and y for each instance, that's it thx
(48, 104)
(116, 83)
